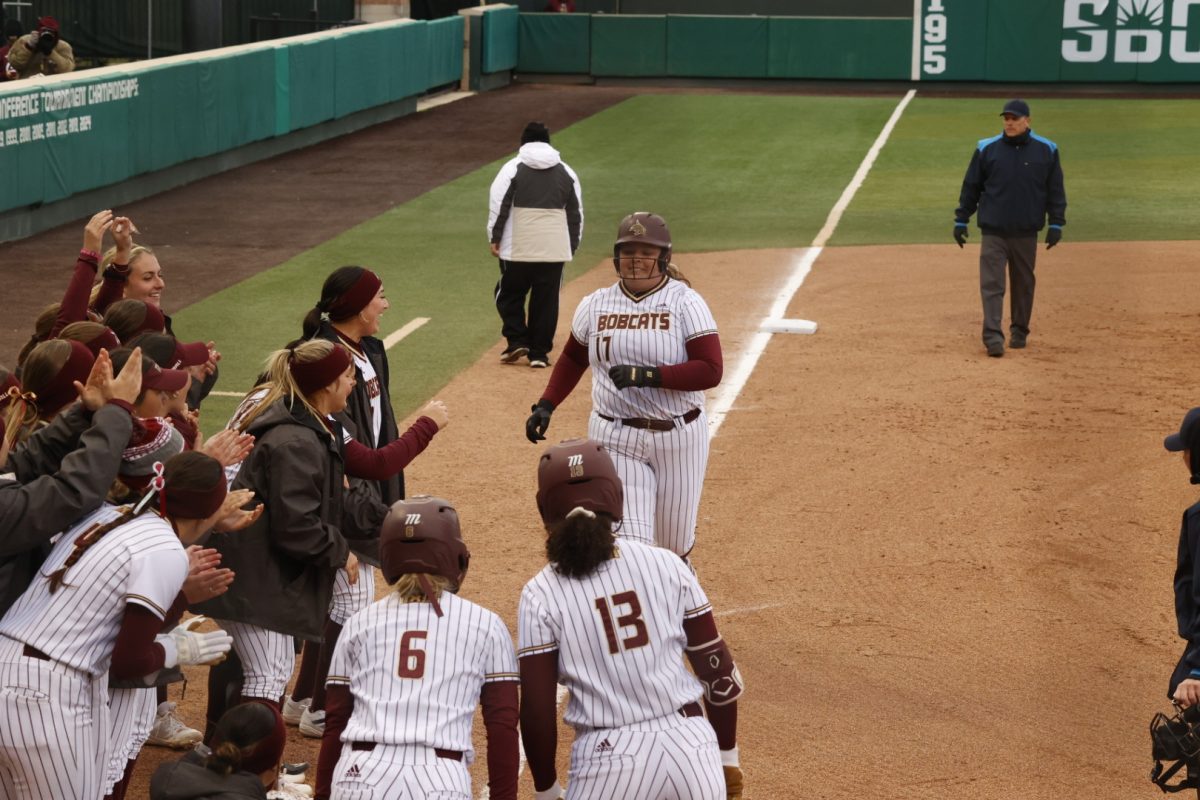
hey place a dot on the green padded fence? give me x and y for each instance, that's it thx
(872, 49)
(73, 133)
(554, 43)
(500, 26)
(717, 47)
(628, 46)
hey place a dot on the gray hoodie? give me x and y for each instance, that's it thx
(187, 779)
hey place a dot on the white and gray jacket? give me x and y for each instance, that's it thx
(535, 212)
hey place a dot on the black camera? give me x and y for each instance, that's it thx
(46, 42)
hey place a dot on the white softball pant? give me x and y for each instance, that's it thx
(399, 772)
(130, 718)
(669, 758)
(349, 598)
(663, 473)
(267, 657)
(52, 718)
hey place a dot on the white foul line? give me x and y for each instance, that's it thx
(396, 336)
(730, 389)
(388, 344)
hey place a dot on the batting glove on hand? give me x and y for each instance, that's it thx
(555, 792)
(960, 233)
(539, 421)
(627, 375)
(1053, 236)
(184, 647)
(733, 783)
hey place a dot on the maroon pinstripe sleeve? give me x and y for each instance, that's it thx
(572, 363)
(339, 705)
(384, 462)
(135, 652)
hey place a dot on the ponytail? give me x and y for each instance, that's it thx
(225, 760)
(675, 274)
(280, 382)
(578, 545)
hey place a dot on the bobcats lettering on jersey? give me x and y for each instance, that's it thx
(659, 321)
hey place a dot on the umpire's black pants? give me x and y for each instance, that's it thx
(1018, 251)
(541, 281)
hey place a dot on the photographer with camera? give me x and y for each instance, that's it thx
(41, 52)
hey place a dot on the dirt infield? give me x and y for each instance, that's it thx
(943, 575)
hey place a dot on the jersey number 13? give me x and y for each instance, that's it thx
(633, 619)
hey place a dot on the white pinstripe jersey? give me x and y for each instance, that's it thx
(416, 677)
(619, 635)
(141, 562)
(652, 331)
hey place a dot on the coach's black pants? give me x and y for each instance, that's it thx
(1018, 252)
(541, 282)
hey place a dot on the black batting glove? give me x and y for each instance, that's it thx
(1053, 237)
(960, 233)
(539, 421)
(627, 375)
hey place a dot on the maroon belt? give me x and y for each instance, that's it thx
(691, 710)
(654, 424)
(32, 652)
(453, 755)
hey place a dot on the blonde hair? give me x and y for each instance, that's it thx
(281, 384)
(408, 586)
(138, 249)
(674, 272)
(84, 331)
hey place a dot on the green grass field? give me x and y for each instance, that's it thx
(728, 172)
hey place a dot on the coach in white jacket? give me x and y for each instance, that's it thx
(535, 222)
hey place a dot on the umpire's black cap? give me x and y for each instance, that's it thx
(1188, 437)
(1018, 108)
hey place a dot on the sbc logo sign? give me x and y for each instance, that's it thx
(1139, 33)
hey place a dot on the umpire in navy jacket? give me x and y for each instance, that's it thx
(1015, 180)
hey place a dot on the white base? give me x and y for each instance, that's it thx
(788, 326)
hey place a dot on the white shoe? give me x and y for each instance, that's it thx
(169, 730)
(290, 791)
(294, 709)
(292, 773)
(312, 723)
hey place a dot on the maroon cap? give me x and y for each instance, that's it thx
(47, 24)
(190, 354)
(165, 380)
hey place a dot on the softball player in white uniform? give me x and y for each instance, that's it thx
(610, 620)
(409, 671)
(57, 641)
(654, 349)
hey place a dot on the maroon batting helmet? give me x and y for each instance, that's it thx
(642, 227)
(574, 474)
(421, 534)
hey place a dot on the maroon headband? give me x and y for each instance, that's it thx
(356, 298)
(61, 388)
(191, 504)
(104, 339)
(154, 321)
(318, 374)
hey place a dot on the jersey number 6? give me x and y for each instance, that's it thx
(412, 658)
(633, 619)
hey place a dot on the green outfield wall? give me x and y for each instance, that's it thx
(73, 133)
(1040, 41)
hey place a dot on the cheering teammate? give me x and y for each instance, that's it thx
(409, 670)
(611, 623)
(105, 589)
(655, 348)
